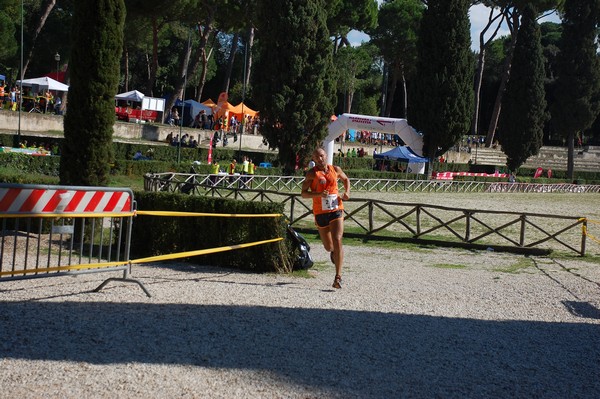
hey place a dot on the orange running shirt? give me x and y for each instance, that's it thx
(326, 180)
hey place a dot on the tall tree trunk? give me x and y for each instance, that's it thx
(234, 47)
(483, 44)
(192, 69)
(154, 64)
(126, 67)
(477, 96)
(514, 27)
(404, 93)
(349, 98)
(200, 87)
(249, 45)
(392, 90)
(46, 10)
(204, 57)
(183, 70)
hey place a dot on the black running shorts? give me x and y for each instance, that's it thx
(323, 219)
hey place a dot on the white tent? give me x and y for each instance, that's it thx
(132, 95)
(44, 83)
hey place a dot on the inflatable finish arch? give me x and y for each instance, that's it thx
(372, 124)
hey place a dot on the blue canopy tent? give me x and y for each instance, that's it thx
(403, 154)
(3, 78)
(192, 108)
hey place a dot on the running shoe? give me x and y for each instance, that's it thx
(337, 282)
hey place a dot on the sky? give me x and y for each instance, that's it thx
(479, 16)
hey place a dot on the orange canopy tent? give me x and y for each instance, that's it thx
(209, 103)
(242, 108)
(223, 109)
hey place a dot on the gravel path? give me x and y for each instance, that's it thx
(409, 322)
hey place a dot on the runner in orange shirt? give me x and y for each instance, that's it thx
(321, 184)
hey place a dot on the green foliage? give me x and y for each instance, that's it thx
(524, 103)
(294, 85)
(95, 57)
(577, 102)
(345, 15)
(396, 37)
(351, 63)
(7, 35)
(48, 165)
(154, 235)
(443, 98)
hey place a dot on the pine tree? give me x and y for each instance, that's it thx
(94, 67)
(578, 84)
(443, 96)
(294, 77)
(524, 103)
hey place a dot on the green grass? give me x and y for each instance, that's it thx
(517, 267)
(136, 183)
(448, 266)
(318, 267)
(559, 255)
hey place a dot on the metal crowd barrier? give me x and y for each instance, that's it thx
(49, 231)
(189, 183)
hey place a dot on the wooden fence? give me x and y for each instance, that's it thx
(368, 218)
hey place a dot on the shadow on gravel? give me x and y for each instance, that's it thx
(582, 309)
(353, 354)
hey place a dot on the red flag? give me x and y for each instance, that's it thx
(210, 148)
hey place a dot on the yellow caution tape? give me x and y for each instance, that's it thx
(586, 233)
(147, 213)
(202, 251)
(226, 215)
(141, 260)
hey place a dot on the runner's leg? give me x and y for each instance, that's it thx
(325, 234)
(336, 228)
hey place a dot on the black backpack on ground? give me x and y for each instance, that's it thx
(304, 260)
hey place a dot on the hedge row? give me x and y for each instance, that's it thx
(164, 159)
(126, 151)
(153, 235)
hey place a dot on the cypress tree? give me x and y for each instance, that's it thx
(524, 103)
(578, 84)
(294, 84)
(94, 69)
(443, 97)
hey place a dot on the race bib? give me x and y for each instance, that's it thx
(330, 203)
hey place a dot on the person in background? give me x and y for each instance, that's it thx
(2, 93)
(321, 184)
(245, 168)
(13, 98)
(214, 172)
(231, 170)
(232, 165)
(251, 169)
(57, 105)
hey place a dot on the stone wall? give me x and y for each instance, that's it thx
(34, 123)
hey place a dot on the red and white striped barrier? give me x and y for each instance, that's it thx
(72, 200)
(450, 175)
(443, 176)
